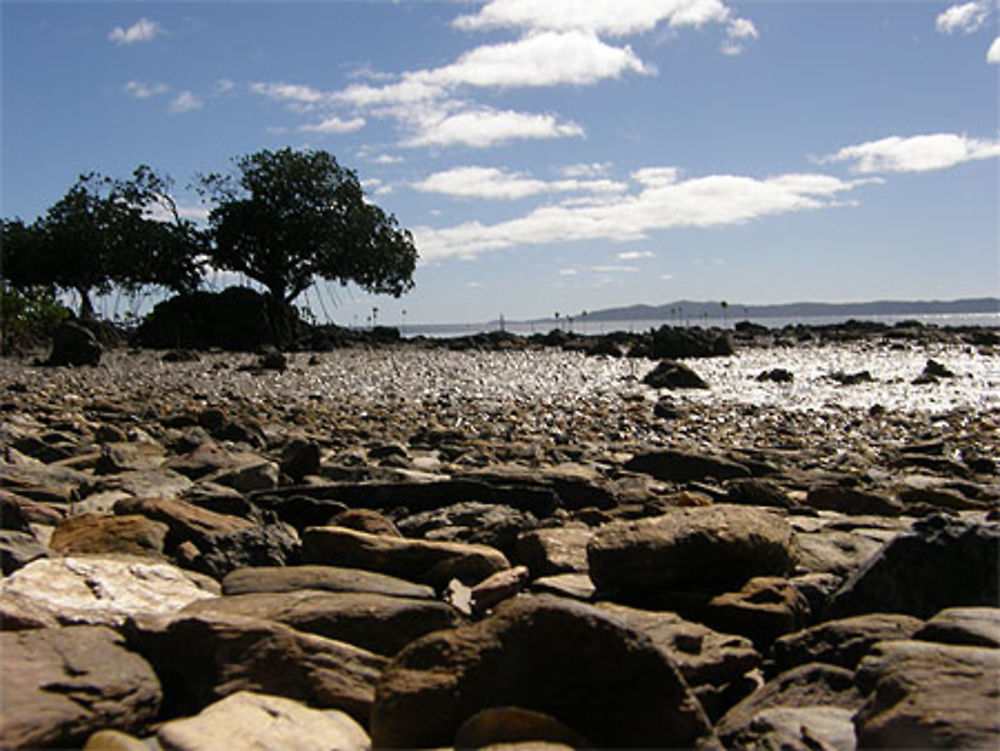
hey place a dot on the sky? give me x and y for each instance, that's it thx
(555, 156)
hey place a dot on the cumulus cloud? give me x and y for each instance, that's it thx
(593, 169)
(334, 125)
(185, 102)
(289, 92)
(388, 159)
(738, 32)
(967, 18)
(141, 90)
(662, 201)
(487, 127)
(142, 30)
(635, 255)
(993, 53)
(612, 17)
(492, 183)
(915, 153)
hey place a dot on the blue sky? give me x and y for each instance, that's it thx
(560, 156)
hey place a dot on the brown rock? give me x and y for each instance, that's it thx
(689, 549)
(185, 520)
(502, 725)
(99, 534)
(764, 609)
(324, 578)
(62, 684)
(366, 520)
(842, 642)
(424, 561)
(973, 627)
(568, 660)
(852, 501)
(926, 695)
(377, 623)
(203, 658)
(554, 550)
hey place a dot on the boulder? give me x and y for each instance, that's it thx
(676, 342)
(423, 561)
(248, 720)
(813, 685)
(95, 590)
(605, 682)
(185, 520)
(203, 658)
(472, 522)
(670, 374)
(321, 578)
(765, 608)
(99, 534)
(684, 466)
(554, 550)
(377, 623)
(842, 642)
(701, 548)
(973, 627)
(832, 551)
(275, 544)
(852, 501)
(62, 684)
(797, 729)
(18, 549)
(503, 726)
(942, 562)
(925, 695)
(300, 457)
(73, 344)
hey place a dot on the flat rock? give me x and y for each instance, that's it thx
(323, 578)
(185, 520)
(842, 642)
(122, 456)
(814, 685)
(575, 586)
(852, 501)
(973, 627)
(835, 551)
(554, 550)
(95, 590)
(62, 684)
(100, 534)
(248, 720)
(684, 466)
(470, 522)
(926, 695)
(568, 660)
(154, 483)
(378, 623)
(641, 559)
(701, 654)
(424, 561)
(942, 562)
(274, 544)
(203, 658)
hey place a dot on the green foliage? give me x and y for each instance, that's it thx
(28, 316)
(291, 216)
(98, 235)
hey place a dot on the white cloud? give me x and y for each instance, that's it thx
(145, 90)
(388, 159)
(290, 92)
(334, 125)
(492, 183)
(660, 203)
(993, 53)
(613, 17)
(483, 128)
(666, 277)
(594, 169)
(614, 269)
(967, 18)
(142, 30)
(185, 102)
(224, 85)
(739, 31)
(568, 272)
(915, 153)
(635, 255)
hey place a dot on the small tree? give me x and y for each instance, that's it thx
(291, 216)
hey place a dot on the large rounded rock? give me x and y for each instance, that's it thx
(924, 695)
(842, 642)
(670, 374)
(602, 680)
(62, 684)
(73, 344)
(706, 548)
(973, 627)
(943, 562)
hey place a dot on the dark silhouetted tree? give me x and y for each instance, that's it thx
(289, 217)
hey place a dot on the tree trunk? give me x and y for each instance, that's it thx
(86, 306)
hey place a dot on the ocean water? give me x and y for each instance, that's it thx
(582, 326)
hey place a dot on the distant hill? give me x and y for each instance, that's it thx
(692, 310)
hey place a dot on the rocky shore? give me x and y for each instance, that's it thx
(506, 543)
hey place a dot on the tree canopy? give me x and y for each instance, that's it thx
(289, 217)
(100, 234)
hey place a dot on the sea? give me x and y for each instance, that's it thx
(596, 327)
